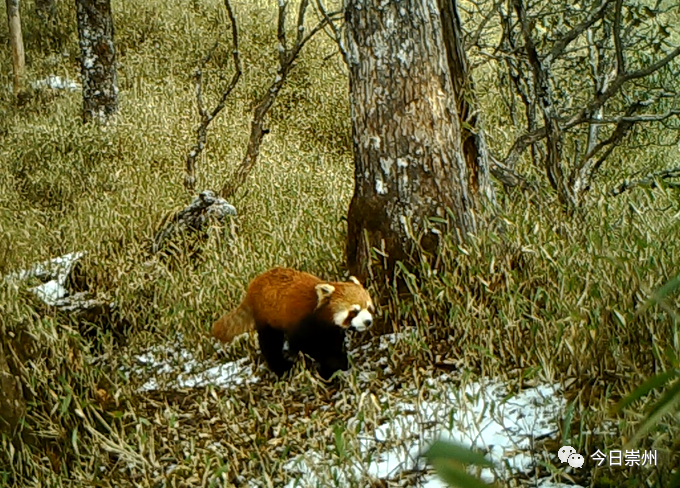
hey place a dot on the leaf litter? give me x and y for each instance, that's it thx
(379, 433)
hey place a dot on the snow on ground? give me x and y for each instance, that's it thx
(56, 83)
(57, 267)
(53, 82)
(170, 367)
(481, 414)
(53, 273)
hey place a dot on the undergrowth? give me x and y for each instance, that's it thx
(539, 297)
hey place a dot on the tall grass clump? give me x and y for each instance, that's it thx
(549, 299)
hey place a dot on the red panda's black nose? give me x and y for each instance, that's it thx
(368, 322)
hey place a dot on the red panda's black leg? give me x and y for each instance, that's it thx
(330, 364)
(325, 344)
(271, 344)
(331, 358)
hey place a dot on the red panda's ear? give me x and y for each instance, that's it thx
(354, 280)
(324, 290)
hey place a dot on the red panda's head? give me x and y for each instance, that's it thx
(347, 304)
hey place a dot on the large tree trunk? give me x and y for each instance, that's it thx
(98, 59)
(16, 40)
(409, 162)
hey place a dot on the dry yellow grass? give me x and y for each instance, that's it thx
(548, 300)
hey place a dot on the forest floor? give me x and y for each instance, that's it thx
(521, 341)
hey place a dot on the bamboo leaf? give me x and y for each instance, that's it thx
(665, 405)
(652, 383)
(450, 451)
(456, 476)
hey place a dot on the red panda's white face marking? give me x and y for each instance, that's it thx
(348, 304)
(363, 319)
(356, 318)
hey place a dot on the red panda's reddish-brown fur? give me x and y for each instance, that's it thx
(311, 313)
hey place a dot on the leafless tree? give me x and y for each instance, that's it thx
(208, 116)
(206, 207)
(411, 175)
(582, 78)
(97, 60)
(17, 42)
(287, 56)
(473, 139)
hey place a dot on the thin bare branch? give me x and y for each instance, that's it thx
(336, 32)
(560, 45)
(287, 59)
(553, 163)
(523, 141)
(301, 21)
(281, 32)
(637, 118)
(318, 27)
(583, 172)
(509, 177)
(198, 81)
(207, 118)
(571, 176)
(594, 63)
(649, 181)
(237, 62)
(618, 47)
(474, 39)
(618, 82)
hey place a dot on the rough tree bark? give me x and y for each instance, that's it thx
(474, 145)
(409, 163)
(98, 60)
(16, 40)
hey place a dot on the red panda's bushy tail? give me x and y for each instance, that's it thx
(234, 323)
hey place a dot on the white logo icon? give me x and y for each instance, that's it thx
(568, 454)
(575, 460)
(565, 452)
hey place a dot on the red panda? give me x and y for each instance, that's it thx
(312, 314)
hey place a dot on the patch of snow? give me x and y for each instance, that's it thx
(547, 483)
(56, 83)
(57, 268)
(173, 367)
(50, 292)
(53, 273)
(227, 374)
(482, 415)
